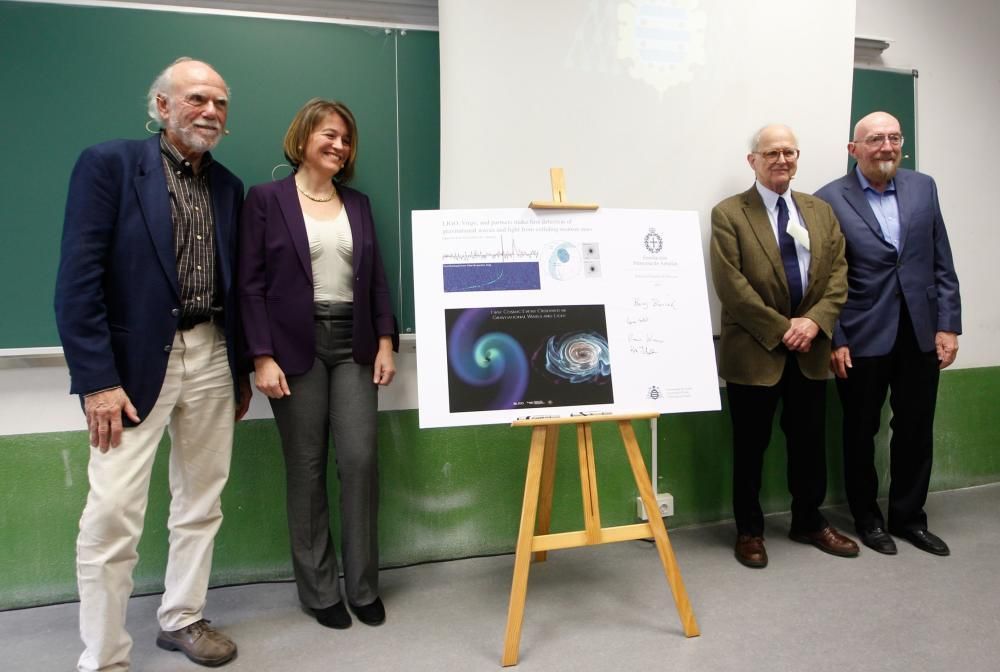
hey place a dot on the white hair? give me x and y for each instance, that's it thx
(162, 86)
(755, 138)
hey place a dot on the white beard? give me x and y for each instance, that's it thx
(886, 169)
(192, 138)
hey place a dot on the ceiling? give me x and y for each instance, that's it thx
(415, 13)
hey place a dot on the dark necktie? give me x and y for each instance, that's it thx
(788, 256)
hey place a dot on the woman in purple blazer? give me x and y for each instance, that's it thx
(320, 329)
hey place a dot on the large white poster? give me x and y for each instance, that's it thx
(531, 314)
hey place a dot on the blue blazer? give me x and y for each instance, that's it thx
(117, 299)
(879, 279)
(276, 283)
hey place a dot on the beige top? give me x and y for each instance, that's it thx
(330, 248)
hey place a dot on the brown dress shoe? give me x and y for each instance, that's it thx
(750, 551)
(200, 642)
(827, 540)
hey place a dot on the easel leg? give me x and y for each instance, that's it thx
(548, 479)
(588, 482)
(659, 530)
(522, 557)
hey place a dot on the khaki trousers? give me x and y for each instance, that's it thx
(197, 405)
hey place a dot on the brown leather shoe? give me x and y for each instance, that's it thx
(200, 642)
(750, 551)
(828, 540)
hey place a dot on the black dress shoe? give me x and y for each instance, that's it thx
(878, 540)
(370, 614)
(335, 617)
(925, 541)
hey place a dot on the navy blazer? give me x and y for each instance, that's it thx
(117, 298)
(880, 278)
(276, 282)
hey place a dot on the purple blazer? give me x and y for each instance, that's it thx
(276, 284)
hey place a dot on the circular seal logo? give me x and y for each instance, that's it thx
(662, 42)
(653, 242)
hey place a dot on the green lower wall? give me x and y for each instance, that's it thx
(446, 493)
(696, 464)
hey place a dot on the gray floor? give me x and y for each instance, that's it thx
(609, 608)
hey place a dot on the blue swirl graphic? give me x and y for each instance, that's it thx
(579, 357)
(564, 262)
(493, 359)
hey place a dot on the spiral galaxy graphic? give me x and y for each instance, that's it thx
(489, 361)
(579, 357)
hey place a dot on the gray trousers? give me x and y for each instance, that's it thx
(337, 396)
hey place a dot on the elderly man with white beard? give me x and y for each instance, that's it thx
(899, 327)
(147, 315)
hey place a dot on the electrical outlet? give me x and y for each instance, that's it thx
(664, 500)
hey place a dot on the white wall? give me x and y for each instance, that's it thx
(646, 104)
(955, 46)
(35, 399)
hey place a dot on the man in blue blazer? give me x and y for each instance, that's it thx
(899, 327)
(147, 314)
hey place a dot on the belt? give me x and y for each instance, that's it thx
(188, 322)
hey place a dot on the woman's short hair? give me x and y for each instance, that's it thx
(305, 122)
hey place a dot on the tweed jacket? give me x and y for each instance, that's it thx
(750, 281)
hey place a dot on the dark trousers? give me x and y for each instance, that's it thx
(911, 377)
(335, 397)
(803, 417)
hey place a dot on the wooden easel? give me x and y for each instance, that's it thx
(559, 201)
(536, 512)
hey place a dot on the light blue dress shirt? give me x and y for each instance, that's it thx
(885, 206)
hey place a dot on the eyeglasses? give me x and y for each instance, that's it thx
(877, 140)
(772, 155)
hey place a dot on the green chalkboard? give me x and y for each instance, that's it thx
(891, 91)
(75, 76)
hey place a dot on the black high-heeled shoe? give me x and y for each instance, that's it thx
(335, 617)
(370, 614)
